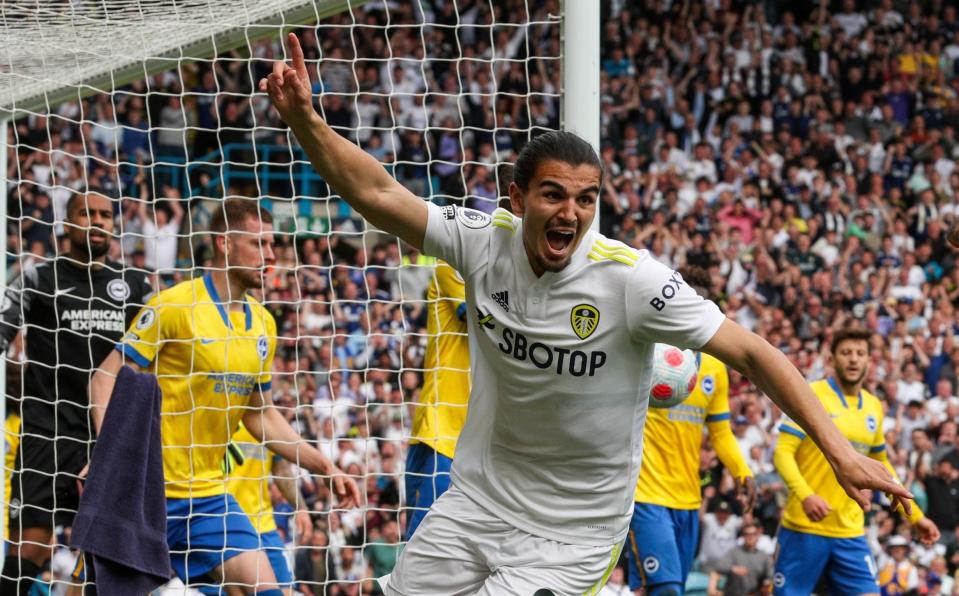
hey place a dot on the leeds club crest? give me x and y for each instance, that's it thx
(584, 318)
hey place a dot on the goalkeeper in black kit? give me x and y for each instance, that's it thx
(72, 309)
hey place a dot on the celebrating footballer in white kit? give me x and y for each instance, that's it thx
(561, 371)
(562, 323)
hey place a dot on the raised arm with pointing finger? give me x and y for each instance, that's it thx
(355, 175)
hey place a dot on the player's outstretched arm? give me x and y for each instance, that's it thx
(355, 175)
(772, 372)
(268, 426)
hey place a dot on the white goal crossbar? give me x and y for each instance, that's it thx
(54, 48)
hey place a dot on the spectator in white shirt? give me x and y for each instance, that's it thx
(748, 433)
(851, 21)
(160, 233)
(827, 247)
(938, 404)
(916, 275)
(702, 164)
(912, 419)
(911, 387)
(719, 532)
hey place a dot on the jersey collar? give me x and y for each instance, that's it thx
(211, 290)
(835, 387)
(521, 258)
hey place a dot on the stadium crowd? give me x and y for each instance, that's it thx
(805, 154)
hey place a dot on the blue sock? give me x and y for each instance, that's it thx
(270, 592)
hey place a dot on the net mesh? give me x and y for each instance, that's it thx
(154, 104)
(66, 48)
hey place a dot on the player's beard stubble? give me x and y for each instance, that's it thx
(248, 278)
(98, 250)
(848, 381)
(95, 250)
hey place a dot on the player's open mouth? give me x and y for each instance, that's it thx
(559, 240)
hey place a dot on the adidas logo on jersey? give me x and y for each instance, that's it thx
(501, 298)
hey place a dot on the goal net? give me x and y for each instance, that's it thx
(154, 104)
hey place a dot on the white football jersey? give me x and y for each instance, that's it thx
(560, 372)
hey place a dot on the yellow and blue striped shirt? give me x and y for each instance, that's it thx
(806, 472)
(208, 361)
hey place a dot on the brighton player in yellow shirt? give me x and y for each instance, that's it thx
(440, 413)
(213, 358)
(664, 531)
(822, 528)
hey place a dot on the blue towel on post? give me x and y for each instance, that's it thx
(121, 520)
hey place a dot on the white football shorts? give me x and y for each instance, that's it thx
(460, 548)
